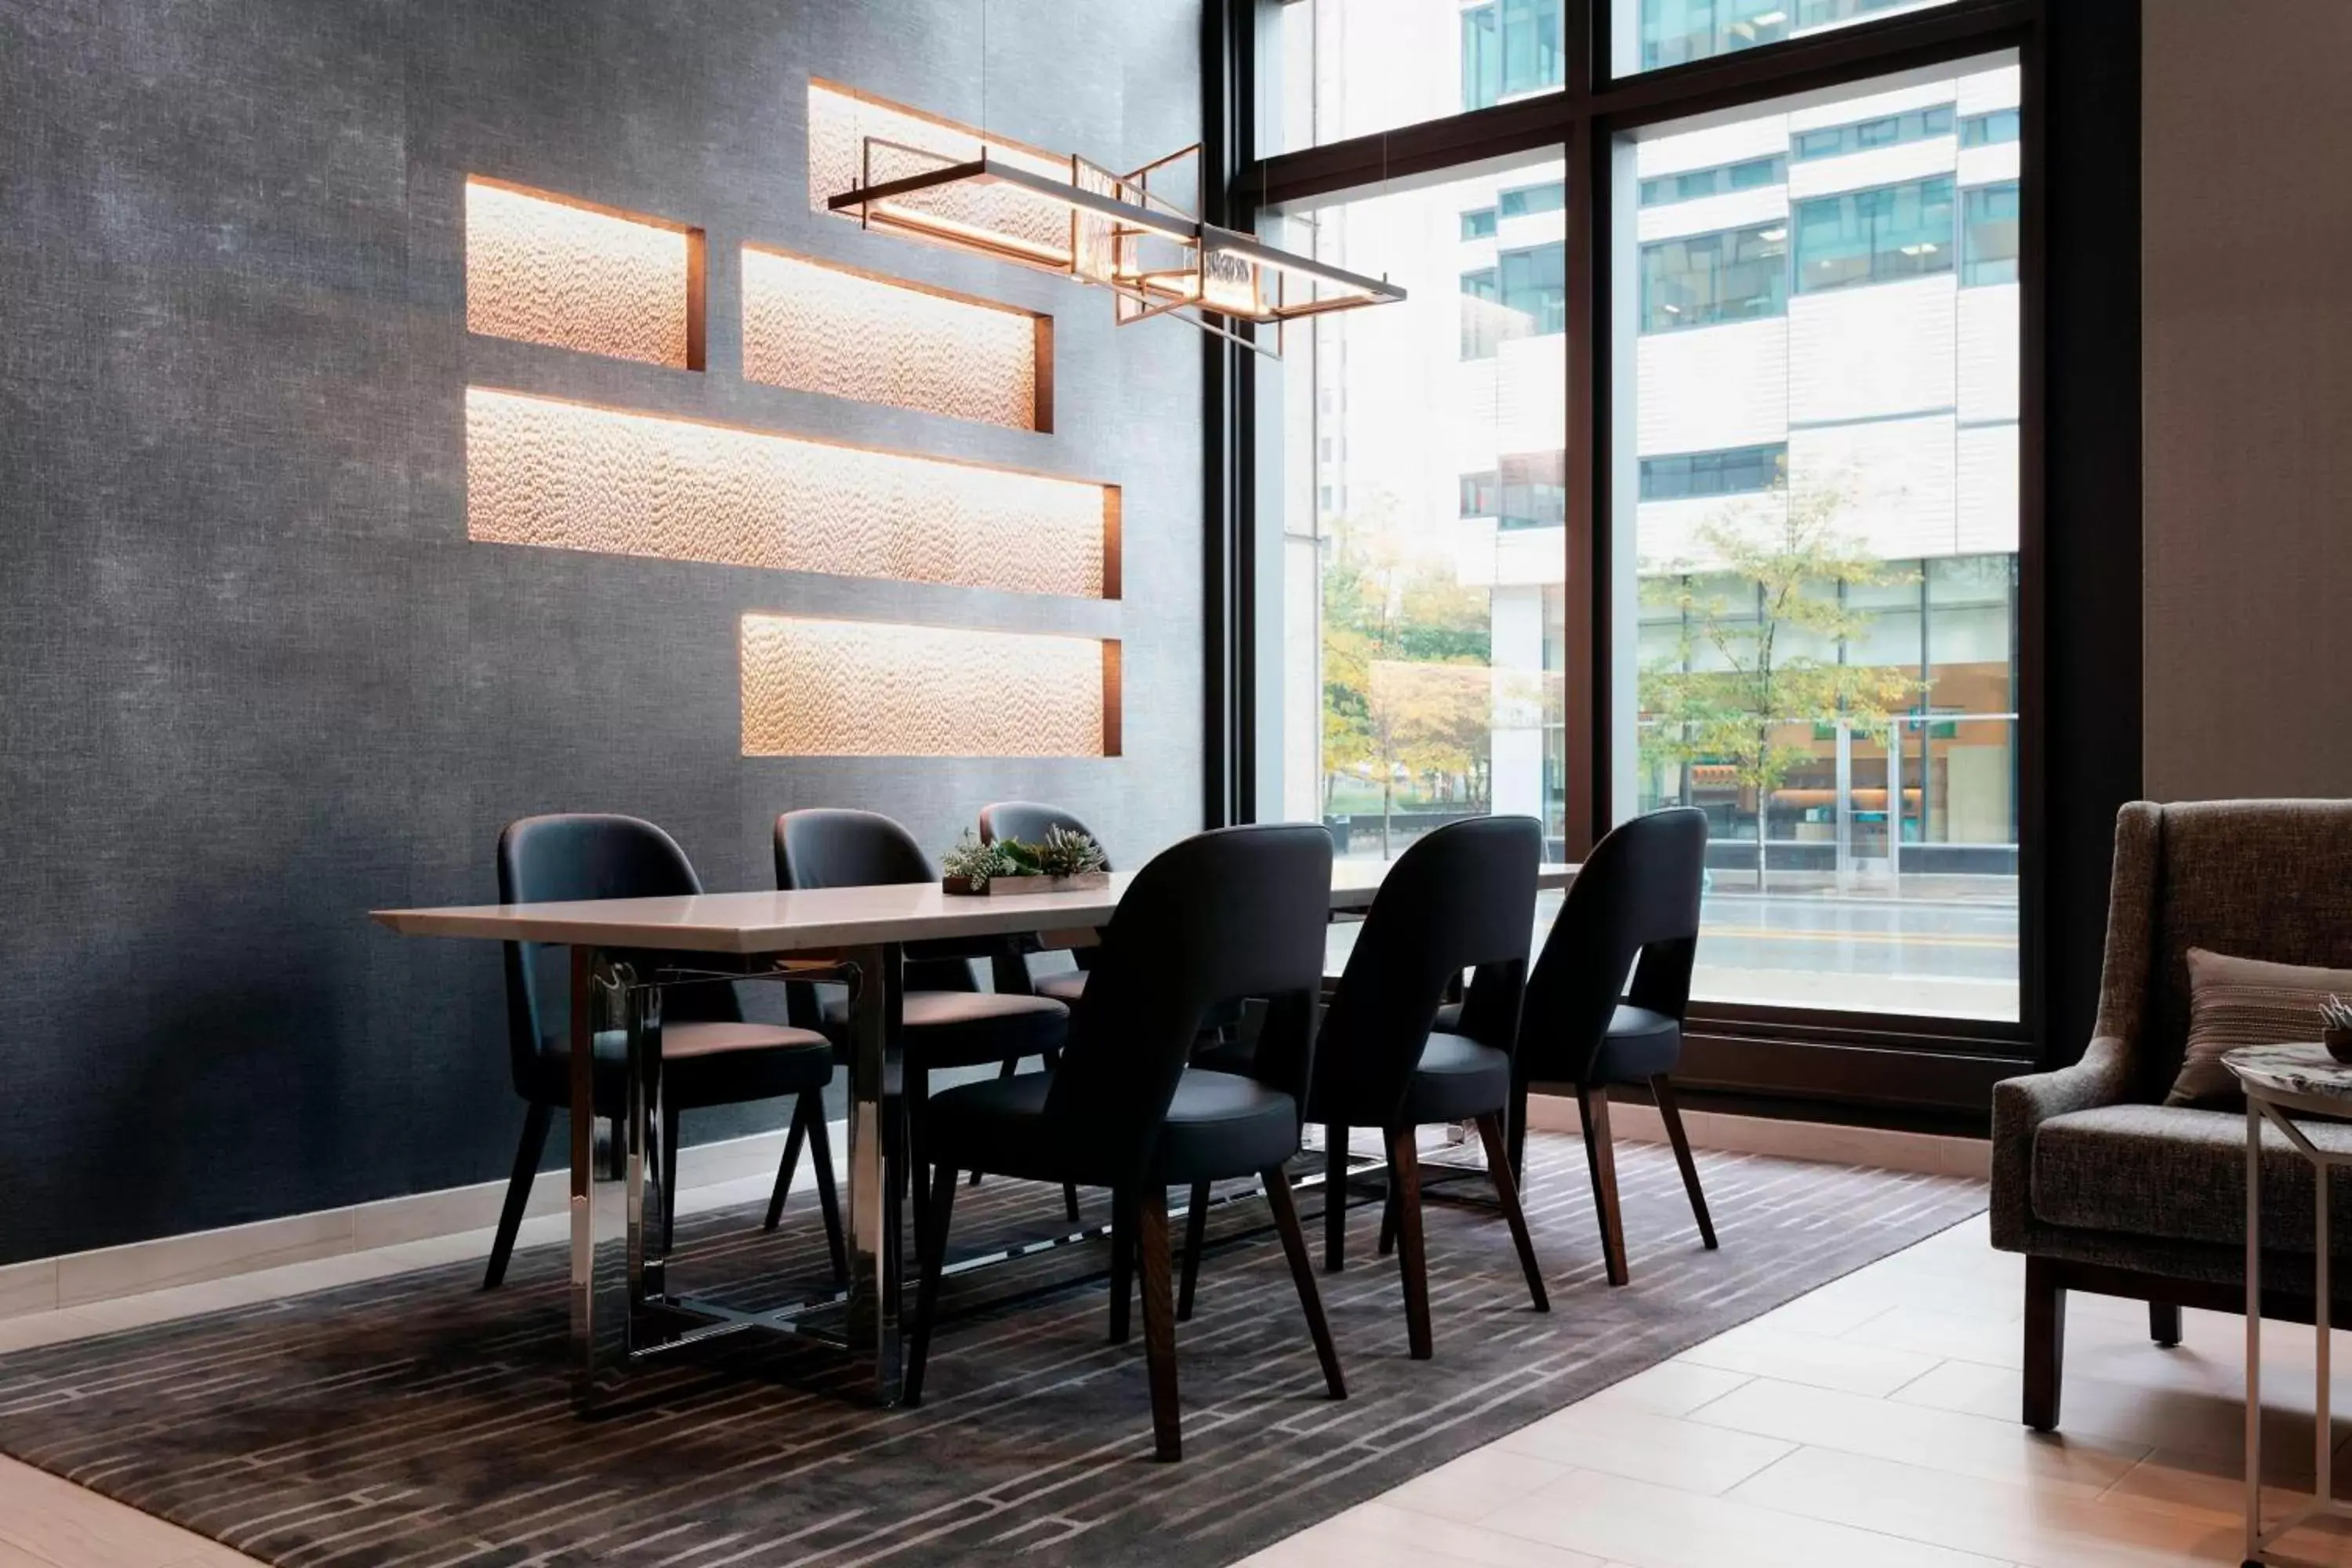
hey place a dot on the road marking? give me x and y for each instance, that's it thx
(1897, 938)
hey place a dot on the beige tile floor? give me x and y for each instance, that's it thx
(1869, 1425)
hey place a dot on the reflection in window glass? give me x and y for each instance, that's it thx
(1548, 197)
(1884, 131)
(1989, 239)
(1735, 472)
(1875, 237)
(1655, 32)
(1695, 183)
(1703, 279)
(1824, 544)
(1423, 620)
(1987, 129)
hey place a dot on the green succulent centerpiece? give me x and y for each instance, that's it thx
(1065, 860)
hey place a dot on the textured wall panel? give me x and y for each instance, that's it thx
(571, 477)
(869, 689)
(846, 126)
(549, 270)
(848, 333)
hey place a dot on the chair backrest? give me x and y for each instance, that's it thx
(1233, 913)
(2253, 879)
(1461, 898)
(833, 847)
(1634, 908)
(1029, 821)
(586, 855)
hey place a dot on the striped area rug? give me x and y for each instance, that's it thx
(417, 1420)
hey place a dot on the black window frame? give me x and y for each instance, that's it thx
(1895, 1069)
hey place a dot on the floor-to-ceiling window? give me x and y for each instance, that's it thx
(1821, 533)
(1689, 475)
(1422, 509)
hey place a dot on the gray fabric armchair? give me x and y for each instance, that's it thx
(2102, 1185)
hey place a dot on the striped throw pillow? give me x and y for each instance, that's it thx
(2236, 1002)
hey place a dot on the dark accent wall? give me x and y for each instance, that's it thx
(254, 680)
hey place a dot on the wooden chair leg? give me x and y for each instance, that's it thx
(668, 1171)
(1196, 1226)
(790, 1163)
(1335, 1197)
(1671, 1114)
(1507, 1188)
(2045, 1342)
(1158, 1319)
(820, 1140)
(1404, 1176)
(941, 1205)
(1600, 1160)
(1122, 1261)
(1388, 1218)
(2164, 1324)
(1302, 1275)
(535, 1120)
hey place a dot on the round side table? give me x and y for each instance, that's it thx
(2279, 1079)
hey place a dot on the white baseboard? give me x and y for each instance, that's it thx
(77, 1278)
(1871, 1146)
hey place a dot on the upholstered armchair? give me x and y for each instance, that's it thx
(2102, 1185)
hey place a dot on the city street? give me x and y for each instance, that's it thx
(1942, 956)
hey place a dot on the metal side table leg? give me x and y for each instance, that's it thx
(2323, 1448)
(2253, 1331)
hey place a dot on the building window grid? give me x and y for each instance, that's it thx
(1737, 471)
(1875, 236)
(1695, 184)
(1989, 130)
(1868, 135)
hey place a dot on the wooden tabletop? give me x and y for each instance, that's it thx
(821, 918)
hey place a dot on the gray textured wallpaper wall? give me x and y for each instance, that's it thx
(2247, 390)
(257, 678)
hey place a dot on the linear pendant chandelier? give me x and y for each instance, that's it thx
(912, 173)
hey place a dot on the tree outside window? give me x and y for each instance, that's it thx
(1745, 690)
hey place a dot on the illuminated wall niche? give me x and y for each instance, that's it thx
(569, 476)
(869, 689)
(817, 327)
(545, 268)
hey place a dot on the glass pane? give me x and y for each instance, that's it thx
(1818, 484)
(1424, 500)
(1351, 67)
(1654, 32)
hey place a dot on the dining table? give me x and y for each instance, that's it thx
(625, 953)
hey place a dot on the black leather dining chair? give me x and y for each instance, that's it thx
(1633, 910)
(1462, 898)
(946, 1021)
(710, 1056)
(1238, 912)
(1030, 822)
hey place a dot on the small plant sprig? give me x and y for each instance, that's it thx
(974, 861)
(1066, 852)
(2336, 1014)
